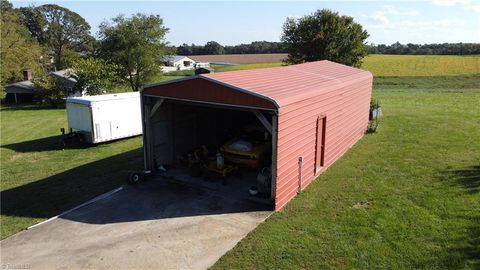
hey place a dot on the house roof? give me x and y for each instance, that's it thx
(289, 84)
(22, 84)
(64, 74)
(175, 58)
(280, 86)
(20, 87)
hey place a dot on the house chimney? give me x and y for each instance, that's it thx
(27, 75)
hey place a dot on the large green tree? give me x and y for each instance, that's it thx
(65, 33)
(95, 76)
(213, 47)
(324, 35)
(18, 50)
(137, 45)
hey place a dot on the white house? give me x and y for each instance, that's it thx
(177, 62)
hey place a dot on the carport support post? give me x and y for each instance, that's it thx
(263, 120)
(147, 136)
(274, 156)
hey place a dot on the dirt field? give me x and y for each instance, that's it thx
(241, 58)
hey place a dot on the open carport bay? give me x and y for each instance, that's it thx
(188, 137)
(159, 224)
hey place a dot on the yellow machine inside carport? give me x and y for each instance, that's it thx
(247, 153)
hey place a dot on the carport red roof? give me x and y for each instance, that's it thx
(279, 85)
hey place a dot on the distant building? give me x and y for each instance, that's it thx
(177, 62)
(66, 77)
(202, 65)
(25, 91)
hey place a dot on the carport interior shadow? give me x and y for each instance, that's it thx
(161, 198)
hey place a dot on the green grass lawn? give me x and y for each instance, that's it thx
(405, 197)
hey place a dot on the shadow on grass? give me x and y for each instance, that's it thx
(50, 196)
(52, 143)
(43, 144)
(468, 178)
(466, 253)
(29, 107)
(468, 248)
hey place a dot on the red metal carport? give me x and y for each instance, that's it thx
(315, 112)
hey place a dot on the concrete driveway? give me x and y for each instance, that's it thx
(157, 224)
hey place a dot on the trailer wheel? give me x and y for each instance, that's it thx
(134, 177)
(81, 138)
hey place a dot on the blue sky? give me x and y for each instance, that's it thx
(231, 23)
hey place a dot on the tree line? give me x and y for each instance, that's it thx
(213, 47)
(257, 47)
(426, 49)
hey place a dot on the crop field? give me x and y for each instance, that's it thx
(381, 65)
(421, 65)
(242, 58)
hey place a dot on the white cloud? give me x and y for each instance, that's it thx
(474, 8)
(425, 25)
(466, 4)
(294, 17)
(391, 23)
(395, 11)
(423, 31)
(449, 22)
(382, 18)
(379, 16)
(450, 3)
(413, 12)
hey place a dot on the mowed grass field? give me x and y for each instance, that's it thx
(405, 197)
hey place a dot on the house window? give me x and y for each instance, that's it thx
(320, 143)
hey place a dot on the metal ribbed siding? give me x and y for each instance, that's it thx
(291, 84)
(346, 110)
(300, 94)
(198, 89)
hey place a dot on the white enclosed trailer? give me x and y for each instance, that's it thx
(105, 117)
